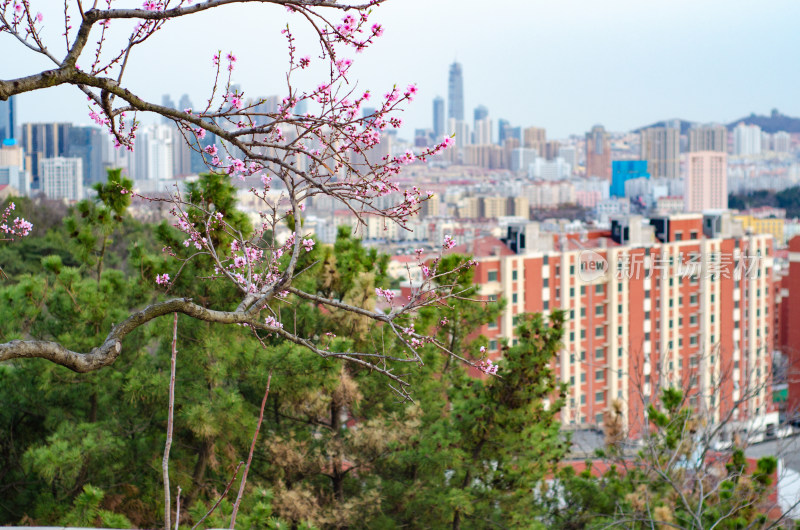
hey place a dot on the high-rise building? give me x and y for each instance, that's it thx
(438, 117)
(480, 113)
(483, 131)
(8, 118)
(43, 140)
(781, 142)
(167, 101)
(455, 93)
(86, 143)
(534, 138)
(660, 146)
(625, 170)
(12, 166)
(61, 178)
(708, 138)
(598, 153)
(706, 184)
(654, 316)
(746, 140)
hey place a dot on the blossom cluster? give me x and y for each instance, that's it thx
(17, 228)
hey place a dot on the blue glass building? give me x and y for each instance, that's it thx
(625, 170)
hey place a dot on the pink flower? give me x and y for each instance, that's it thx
(305, 61)
(385, 293)
(377, 30)
(163, 279)
(448, 242)
(123, 191)
(201, 133)
(271, 322)
(308, 244)
(150, 5)
(211, 150)
(487, 367)
(39, 17)
(483, 349)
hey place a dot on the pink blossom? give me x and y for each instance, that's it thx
(150, 5)
(487, 367)
(377, 30)
(163, 279)
(201, 133)
(448, 242)
(39, 17)
(271, 322)
(308, 244)
(211, 150)
(385, 293)
(305, 61)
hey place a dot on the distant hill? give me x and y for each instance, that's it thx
(773, 123)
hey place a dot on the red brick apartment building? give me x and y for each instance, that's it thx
(679, 300)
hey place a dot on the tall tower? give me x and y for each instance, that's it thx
(708, 138)
(598, 153)
(455, 93)
(7, 120)
(661, 148)
(438, 117)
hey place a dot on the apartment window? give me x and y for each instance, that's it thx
(712, 298)
(671, 302)
(492, 345)
(546, 282)
(598, 375)
(619, 330)
(572, 381)
(583, 377)
(583, 356)
(680, 322)
(647, 378)
(647, 315)
(583, 311)
(598, 331)
(693, 299)
(492, 276)
(583, 334)
(599, 397)
(546, 260)
(619, 352)
(571, 292)
(693, 340)
(546, 305)
(514, 298)
(572, 336)
(493, 324)
(693, 320)
(712, 319)
(598, 310)
(514, 275)
(598, 289)
(583, 402)
(599, 353)
(671, 282)
(693, 234)
(647, 335)
(598, 418)
(572, 270)
(678, 236)
(671, 322)
(492, 298)
(619, 308)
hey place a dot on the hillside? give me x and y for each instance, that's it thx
(772, 123)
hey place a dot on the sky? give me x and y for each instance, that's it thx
(564, 65)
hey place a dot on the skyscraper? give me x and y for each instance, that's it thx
(747, 140)
(455, 93)
(660, 146)
(598, 153)
(438, 117)
(480, 113)
(43, 140)
(86, 143)
(708, 138)
(62, 178)
(7, 119)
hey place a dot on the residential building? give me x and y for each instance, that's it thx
(650, 304)
(598, 153)
(706, 183)
(61, 178)
(438, 118)
(746, 140)
(708, 138)
(660, 146)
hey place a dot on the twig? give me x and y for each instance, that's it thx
(178, 509)
(224, 493)
(250, 456)
(165, 461)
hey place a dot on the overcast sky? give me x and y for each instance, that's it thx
(563, 65)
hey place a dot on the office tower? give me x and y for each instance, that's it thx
(483, 131)
(706, 185)
(8, 121)
(708, 138)
(438, 118)
(43, 140)
(521, 158)
(598, 153)
(61, 178)
(12, 166)
(301, 108)
(167, 101)
(660, 146)
(746, 140)
(781, 142)
(86, 143)
(455, 93)
(480, 113)
(625, 170)
(534, 138)
(185, 102)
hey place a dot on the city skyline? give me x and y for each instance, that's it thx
(651, 52)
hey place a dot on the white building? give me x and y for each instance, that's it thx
(746, 140)
(556, 169)
(61, 178)
(781, 142)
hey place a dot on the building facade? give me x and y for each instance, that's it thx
(455, 93)
(706, 184)
(61, 178)
(660, 146)
(598, 153)
(676, 301)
